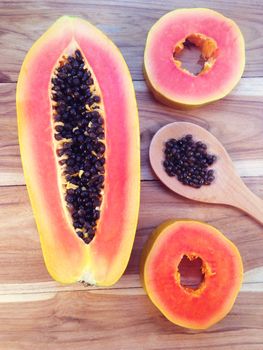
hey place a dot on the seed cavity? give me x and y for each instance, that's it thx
(79, 134)
(195, 54)
(189, 161)
(191, 271)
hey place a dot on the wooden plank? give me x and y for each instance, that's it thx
(80, 320)
(129, 284)
(39, 313)
(235, 120)
(30, 19)
(19, 243)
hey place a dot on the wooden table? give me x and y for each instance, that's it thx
(38, 313)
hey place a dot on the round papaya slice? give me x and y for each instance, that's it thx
(222, 53)
(79, 140)
(191, 272)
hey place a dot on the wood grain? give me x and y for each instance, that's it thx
(236, 121)
(117, 18)
(18, 231)
(38, 313)
(80, 320)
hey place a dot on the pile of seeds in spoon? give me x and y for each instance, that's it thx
(79, 130)
(189, 161)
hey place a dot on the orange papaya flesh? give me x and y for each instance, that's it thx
(222, 270)
(222, 48)
(110, 237)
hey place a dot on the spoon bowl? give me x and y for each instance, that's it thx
(227, 188)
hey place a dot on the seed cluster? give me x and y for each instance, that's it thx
(79, 130)
(189, 161)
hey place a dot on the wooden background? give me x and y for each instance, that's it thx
(38, 313)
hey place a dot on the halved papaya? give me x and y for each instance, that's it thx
(222, 52)
(79, 141)
(172, 245)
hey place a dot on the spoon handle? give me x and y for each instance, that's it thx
(247, 201)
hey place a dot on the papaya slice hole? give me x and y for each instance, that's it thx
(195, 54)
(191, 272)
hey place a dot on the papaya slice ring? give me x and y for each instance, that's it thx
(222, 48)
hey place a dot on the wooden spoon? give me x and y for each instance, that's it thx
(227, 188)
